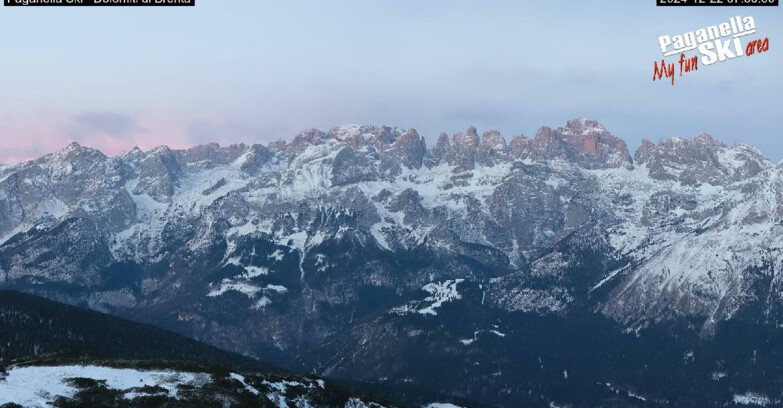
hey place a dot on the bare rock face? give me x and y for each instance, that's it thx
(396, 148)
(309, 137)
(467, 150)
(408, 149)
(582, 141)
(255, 158)
(492, 149)
(441, 151)
(351, 167)
(547, 145)
(357, 137)
(210, 155)
(353, 136)
(593, 147)
(751, 161)
(644, 151)
(697, 157)
(159, 174)
(464, 147)
(519, 146)
(73, 252)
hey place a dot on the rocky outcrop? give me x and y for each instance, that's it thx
(492, 149)
(309, 137)
(159, 174)
(644, 151)
(583, 142)
(440, 152)
(547, 145)
(591, 146)
(519, 146)
(699, 160)
(467, 150)
(254, 159)
(464, 147)
(407, 150)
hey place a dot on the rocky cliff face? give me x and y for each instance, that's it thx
(271, 250)
(583, 142)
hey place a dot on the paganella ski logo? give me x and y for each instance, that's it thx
(712, 44)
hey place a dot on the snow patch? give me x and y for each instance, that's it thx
(752, 398)
(39, 386)
(241, 379)
(440, 293)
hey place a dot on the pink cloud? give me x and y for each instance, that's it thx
(25, 137)
(151, 133)
(28, 137)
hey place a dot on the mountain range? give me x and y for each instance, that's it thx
(557, 270)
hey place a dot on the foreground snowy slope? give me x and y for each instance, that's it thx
(76, 385)
(41, 386)
(59, 355)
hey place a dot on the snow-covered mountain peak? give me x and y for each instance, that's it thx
(583, 125)
(74, 152)
(707, 139)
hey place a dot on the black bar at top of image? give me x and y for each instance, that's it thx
(99, 3)
(717, 3)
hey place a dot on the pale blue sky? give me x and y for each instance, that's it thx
(255, 71)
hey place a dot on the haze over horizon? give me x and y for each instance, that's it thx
(231, 71)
